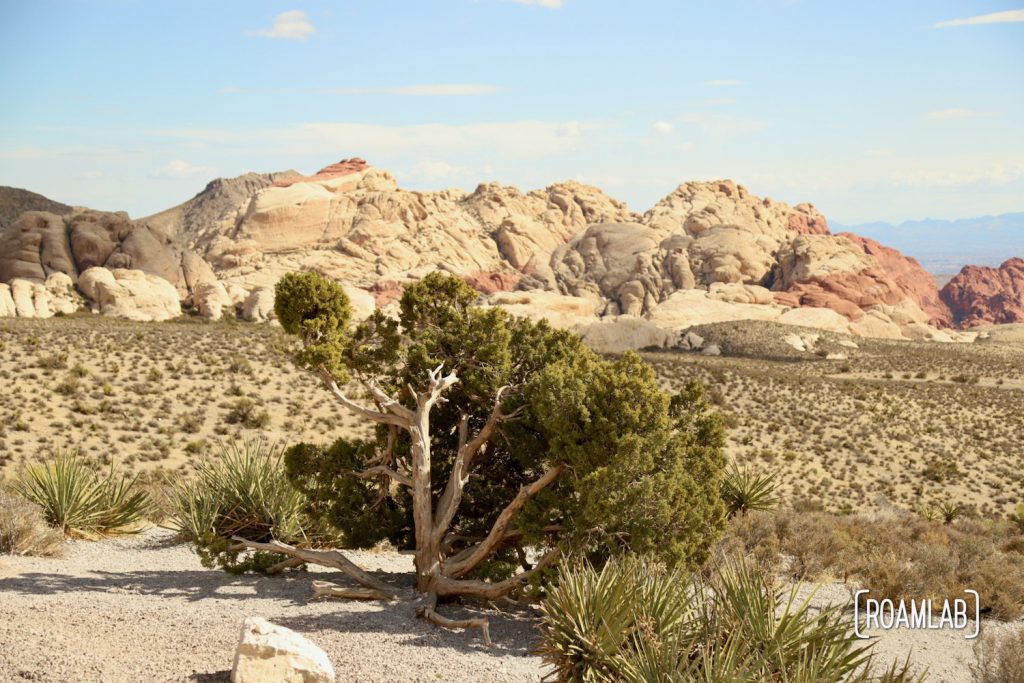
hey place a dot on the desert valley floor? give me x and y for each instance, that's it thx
(917, 423)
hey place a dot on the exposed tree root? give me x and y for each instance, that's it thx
(333, 590)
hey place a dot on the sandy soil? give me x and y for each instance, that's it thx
(144, 609)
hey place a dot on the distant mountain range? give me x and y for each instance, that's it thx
(943, 247)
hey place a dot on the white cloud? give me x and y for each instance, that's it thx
(513, 139)
(419, 90)
(551, 4)
(725, 83)
(1009, 16)
(663, 127)
(951, 114)
(179, 168)
(293, 25)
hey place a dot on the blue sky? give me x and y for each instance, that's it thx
(870, 110)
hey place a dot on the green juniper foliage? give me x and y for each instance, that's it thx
(640, 471)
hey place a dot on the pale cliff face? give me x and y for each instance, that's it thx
(742, 256)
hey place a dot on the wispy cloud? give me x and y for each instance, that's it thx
(725, 83)
(420, 90)
(551, 4)
(662, 127)
(953, 114)
(179, 168)
(718, 102)
(292, 25)
(1007, 17)
(512, 139)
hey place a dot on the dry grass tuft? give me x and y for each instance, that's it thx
(23, 531)
(999, 660)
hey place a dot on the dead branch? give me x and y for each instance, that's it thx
(467, 560)
(326, 558)
(333, 590)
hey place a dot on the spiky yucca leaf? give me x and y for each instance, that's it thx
(243, 492)
(80, 502)
(744, 490)
(600, 625)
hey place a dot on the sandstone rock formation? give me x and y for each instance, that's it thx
(979, 295)
(26, 299)
(909, 275)
(268, 653)
(39, 244)
(708, 252)
(131, 294)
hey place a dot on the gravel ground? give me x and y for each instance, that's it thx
(143, 609)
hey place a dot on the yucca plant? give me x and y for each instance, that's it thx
(1017, 517)
(243, 492)
(632, 622)
(949, 512)
(80, 502)
(744, 490)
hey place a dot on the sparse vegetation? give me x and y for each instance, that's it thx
(23, 530)
(636, 622)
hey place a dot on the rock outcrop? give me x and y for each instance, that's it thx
(708, 252)
(131, 294)
(909, 275)
(39, 244)
(268, 653)
(981, 295)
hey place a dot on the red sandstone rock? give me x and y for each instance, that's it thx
(980, 295)
(342, 168)
(911, 277)
(489, 283)
(807, 221)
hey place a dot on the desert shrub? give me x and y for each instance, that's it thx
(633, 621)
(23, 529)
(243, 492)
(1017, 517)
(744, 490)
(247, 413)
(998, 659)
(919, 558)
(80, 502)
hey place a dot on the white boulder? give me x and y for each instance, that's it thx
(268, 653)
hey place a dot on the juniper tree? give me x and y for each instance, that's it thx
(500, 446)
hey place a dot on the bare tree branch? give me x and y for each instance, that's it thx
(492, 591)
(374, 415)
(377, 470)
(326, 558)
(467, 561)
(333, 590)
(448, 505)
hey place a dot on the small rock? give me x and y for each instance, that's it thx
(711, 350)
(693, 341)
(268, 653)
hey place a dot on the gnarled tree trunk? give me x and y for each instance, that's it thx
(439, 574)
